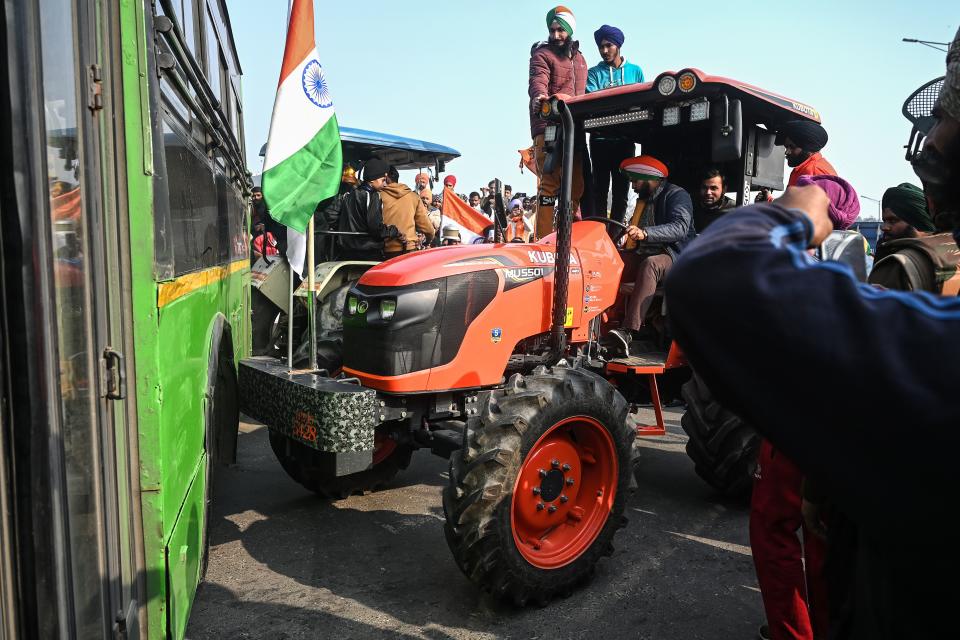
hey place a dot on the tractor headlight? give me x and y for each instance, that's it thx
(671, 116)
(352, 303)
(387, 308)
(667, 85)
(687, 81)
(699, 111)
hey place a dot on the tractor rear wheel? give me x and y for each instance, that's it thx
(303, 465)
(722, 446)
(537, 492)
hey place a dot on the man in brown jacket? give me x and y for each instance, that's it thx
(403, 209)
(556, 67)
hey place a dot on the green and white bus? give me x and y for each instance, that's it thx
(124, 294)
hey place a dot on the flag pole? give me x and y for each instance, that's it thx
(290, 320)
(311, 295)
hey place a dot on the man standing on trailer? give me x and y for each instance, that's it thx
(556, 68)
(607, 149)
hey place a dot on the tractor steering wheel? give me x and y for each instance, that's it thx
(615, 235)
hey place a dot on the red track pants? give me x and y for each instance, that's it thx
(795, 604)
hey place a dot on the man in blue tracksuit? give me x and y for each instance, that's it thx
(859, 387)
(607, 150)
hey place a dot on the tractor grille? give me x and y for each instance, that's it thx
(427, 329)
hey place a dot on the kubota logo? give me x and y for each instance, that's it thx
(547, 257)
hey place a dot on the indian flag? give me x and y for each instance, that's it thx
(303, 163)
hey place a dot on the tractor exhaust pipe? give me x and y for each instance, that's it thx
(564, 220)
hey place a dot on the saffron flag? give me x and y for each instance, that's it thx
(304, 160)
(458, 214)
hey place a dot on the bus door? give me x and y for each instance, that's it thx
(69, 55)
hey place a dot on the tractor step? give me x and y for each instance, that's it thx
(654, 362)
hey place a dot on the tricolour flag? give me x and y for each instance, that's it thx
(458, 214)
(304, 161)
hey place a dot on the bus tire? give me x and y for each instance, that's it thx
(553, 447)
(722, 446)
(222, 424)
(303, 465)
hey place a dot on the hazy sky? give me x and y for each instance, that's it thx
(455, 72)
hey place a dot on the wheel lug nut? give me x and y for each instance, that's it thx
(552, 508)
(536, 491)
(555, 463)
(564, 498)
(599, 493)
(565, 467)
(543, 474)
(569, 482)
(539, 506)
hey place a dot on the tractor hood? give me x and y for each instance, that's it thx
(442, 262)
(449, 318)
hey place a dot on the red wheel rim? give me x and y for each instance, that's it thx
(383, 446)
(564, 492)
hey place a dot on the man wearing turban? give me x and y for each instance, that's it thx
(421, 182)
(659, 228)
(556, 68)
(803, 140)
(905, 213)
(857, 386)
(607, 149)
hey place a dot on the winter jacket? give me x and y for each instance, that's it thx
(673, 220)
(856, 385)
(403, 209)
(604, 76)
(359, 210)
(550, 73)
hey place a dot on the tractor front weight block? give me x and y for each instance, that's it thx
(335, 417)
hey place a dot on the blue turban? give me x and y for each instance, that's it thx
(610, 34)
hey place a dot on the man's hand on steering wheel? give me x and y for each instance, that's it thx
(636, 233)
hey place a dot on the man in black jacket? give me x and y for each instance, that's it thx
(712, 202)
(660, 226)
(858, 386)
(361, 210)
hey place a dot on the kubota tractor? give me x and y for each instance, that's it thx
(498, 355)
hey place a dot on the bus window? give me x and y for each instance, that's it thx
(213, 55)
(193, 205)
(65, 173)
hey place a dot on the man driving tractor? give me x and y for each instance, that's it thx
(661, 224)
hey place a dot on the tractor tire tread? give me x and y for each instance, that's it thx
(478, 497)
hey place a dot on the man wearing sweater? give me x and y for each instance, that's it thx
(607, 150)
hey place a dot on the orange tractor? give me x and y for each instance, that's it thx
(498, 357)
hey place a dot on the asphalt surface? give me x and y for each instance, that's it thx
(285, 564)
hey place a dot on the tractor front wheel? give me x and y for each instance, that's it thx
(538, 490)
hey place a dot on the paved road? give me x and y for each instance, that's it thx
(285, 564)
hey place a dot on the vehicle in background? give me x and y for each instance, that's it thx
(123, 191)
(271, 277)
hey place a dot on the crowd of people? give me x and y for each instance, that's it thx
(787, 521)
